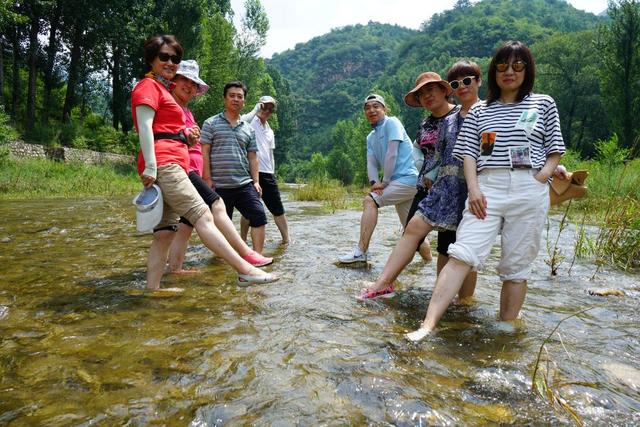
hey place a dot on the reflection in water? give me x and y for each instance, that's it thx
(81, 344)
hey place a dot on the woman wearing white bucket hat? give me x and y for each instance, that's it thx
(164, 160)
(188, 85)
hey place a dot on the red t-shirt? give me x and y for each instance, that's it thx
(169, 118)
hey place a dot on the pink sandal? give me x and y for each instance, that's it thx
(386, 292)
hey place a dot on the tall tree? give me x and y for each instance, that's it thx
(249, 40)
(620, 71)
(52, 49)
(35, 11)
(567, 69)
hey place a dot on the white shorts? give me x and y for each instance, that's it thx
(517, 205)
(396, 194)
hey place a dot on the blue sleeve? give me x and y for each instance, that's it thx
(394, 130)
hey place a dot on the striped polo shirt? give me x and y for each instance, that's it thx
(518, 135)
(229, 149)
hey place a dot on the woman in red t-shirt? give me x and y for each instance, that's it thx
(164, 160)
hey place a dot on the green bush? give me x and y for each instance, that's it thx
(7, 132)
(340, 167)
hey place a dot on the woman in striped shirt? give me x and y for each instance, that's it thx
(510, 146)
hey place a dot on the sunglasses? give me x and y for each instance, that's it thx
(455, 84)
(268, 109)
(164, 57)
(516, 65)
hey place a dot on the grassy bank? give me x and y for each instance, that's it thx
(30, 179)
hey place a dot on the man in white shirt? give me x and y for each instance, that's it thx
(258, 118)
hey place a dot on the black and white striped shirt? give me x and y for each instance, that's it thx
(530, 126)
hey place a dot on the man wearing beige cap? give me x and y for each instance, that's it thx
(388, 148)
(258, 118)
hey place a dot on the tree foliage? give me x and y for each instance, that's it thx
(69, 66)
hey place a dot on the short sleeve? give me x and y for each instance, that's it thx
(206, 133)
(252, 145)
(145, 93)
(553, 142)
(468, 141)
(394, 130)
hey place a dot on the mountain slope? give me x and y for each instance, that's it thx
(331, 74)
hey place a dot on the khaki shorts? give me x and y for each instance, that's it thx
(398, 195)
(179, 196)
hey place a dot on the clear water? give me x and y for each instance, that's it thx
(80, 343)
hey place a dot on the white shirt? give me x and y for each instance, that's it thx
(266, 144)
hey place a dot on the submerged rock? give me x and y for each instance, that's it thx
(606, 292)
(627, 375)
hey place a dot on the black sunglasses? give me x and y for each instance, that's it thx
(455, 84)
(516, 65)
(164, 57)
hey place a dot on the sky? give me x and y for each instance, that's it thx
(298, 21)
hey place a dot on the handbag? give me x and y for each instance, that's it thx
(571, 188)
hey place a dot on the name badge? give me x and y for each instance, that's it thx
(520, 157)
(527, 120)
(488, 142)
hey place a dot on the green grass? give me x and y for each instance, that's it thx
(30, 179)
(333, 195)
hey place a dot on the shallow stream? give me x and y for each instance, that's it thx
(80, 344)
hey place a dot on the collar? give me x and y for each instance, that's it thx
(380, 123)
(168, 84)
(223, 117)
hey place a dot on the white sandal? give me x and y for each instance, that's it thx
(245, 280)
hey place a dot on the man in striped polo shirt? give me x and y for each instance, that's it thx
(231, 162)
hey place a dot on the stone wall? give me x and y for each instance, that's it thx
(22, 150)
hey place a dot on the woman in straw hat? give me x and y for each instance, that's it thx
(510, 147)
(188, 85)
(164, 160)
(441, 189)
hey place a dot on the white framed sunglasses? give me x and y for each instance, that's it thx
(455, 84)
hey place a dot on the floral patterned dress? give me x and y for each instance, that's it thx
(444, 204)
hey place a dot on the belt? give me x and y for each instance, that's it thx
(180, 136)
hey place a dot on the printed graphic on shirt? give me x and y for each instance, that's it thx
(527, 120)
(520, 157)
(488, 142)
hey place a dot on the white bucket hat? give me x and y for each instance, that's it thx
(189, 68)
(148, 205)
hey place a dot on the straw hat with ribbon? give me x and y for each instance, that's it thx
(571, 188)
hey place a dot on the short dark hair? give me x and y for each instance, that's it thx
(154, 43)
(235, 83)
(464, 68)
(518, 51)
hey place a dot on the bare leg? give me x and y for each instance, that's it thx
(179, 247)
(425, 250)
(244, 227)
(368, 223)
(512, 298)
(215, 241)
(469, 284)
(403, 252)
(224, 224)
(283, 227)
(158, 257)
(257, 238)
(447, 286)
